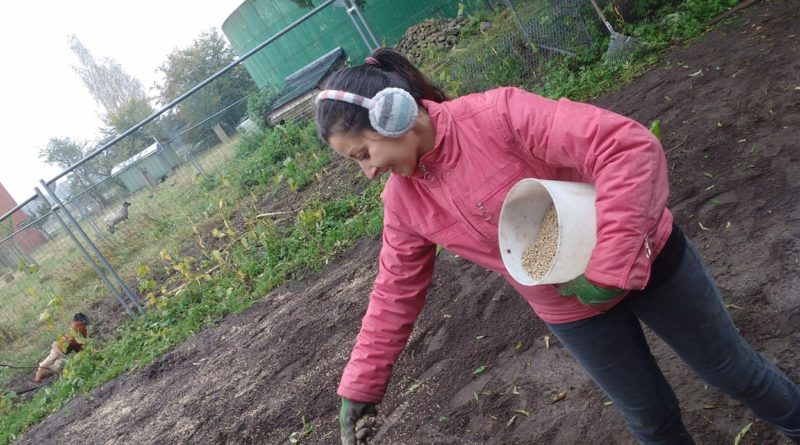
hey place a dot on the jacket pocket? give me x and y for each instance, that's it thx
(443, 235)
(489, 199)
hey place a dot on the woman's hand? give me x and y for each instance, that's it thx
(356, 421)
(588, 293)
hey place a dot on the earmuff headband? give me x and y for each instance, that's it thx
(392, 111)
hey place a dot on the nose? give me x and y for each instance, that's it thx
(369, 170)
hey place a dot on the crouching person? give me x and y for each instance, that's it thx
(70, 342)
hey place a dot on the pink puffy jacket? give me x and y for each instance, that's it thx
(485, 143)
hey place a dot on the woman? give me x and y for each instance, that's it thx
(452, 163)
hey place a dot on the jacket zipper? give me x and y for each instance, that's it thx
(426, 174)
(648, 251)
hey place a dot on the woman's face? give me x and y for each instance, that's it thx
(377, 154)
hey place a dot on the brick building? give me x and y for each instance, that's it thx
(29, 239)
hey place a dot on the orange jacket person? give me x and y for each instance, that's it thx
(70, 342)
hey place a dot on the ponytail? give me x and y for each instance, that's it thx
(392, 61)
(385, 68)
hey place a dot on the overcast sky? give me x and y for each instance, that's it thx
(42, 97)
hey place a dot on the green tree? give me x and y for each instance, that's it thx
(128, 115)
(110, 86)
(185, 68)
(122, 98)
(66, 152)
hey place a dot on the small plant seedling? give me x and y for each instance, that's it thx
(304, 432)
(655, 128)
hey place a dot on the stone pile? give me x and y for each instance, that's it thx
(430, 35)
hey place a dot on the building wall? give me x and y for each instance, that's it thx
(28, 239)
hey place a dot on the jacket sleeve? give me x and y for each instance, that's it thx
(398, 296)
(625, 162)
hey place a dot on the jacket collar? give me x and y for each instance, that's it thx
(441, 119)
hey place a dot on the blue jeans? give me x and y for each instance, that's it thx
(686, 311)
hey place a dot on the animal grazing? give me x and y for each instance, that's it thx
(121, 214)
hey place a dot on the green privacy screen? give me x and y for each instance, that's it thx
(254, 21)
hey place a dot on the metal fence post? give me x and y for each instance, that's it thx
(114, 291)
(99, 255)
(355, 8)
(351, 10)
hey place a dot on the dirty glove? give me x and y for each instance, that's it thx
(588, 293)
(356, 421)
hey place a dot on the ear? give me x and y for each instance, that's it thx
(393, 112)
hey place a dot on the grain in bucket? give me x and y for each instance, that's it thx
(561, 216)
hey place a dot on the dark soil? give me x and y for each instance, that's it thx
(729, 133)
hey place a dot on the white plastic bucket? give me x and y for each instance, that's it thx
(521, 217)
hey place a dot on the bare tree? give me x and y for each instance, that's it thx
(108, 83)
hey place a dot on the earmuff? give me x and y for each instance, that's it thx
(392, 111)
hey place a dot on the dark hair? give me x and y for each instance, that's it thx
(392, 70)
(80, 317)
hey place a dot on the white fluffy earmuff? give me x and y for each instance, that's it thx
(392, 112)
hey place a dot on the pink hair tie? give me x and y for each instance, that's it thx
(372, 61)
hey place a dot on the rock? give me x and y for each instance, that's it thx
(440, 34)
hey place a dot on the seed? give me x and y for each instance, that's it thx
(538, 257)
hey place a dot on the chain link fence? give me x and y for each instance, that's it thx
(533, 33)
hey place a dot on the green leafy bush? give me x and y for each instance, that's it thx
(290, 152)
(260, 104)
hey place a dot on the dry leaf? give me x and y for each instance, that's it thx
(742, 433)
(513, 418)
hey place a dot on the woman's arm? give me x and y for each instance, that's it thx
(405, 271)
(625, 162)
